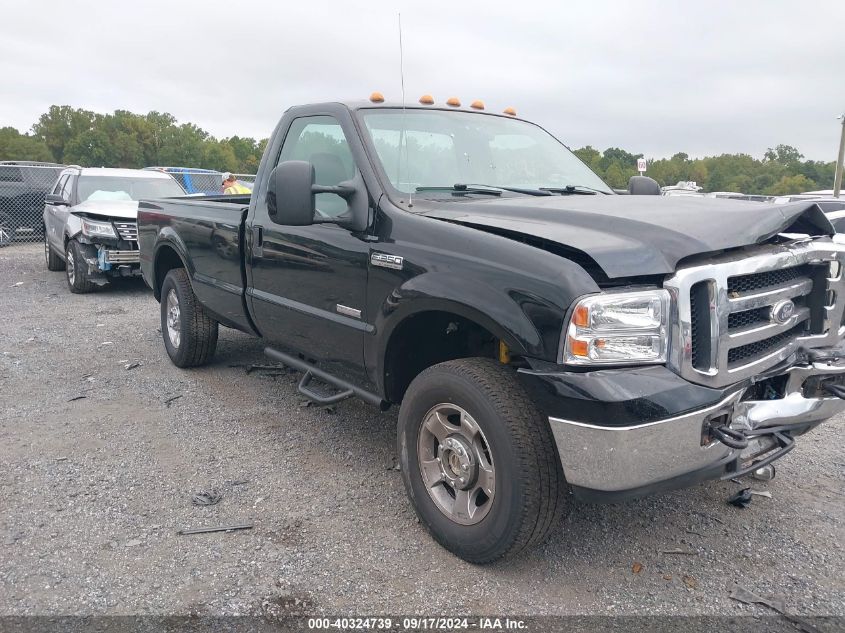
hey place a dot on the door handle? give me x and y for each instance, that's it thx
(257, 242)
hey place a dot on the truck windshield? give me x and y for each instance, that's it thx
(436, 148)
(134, 188)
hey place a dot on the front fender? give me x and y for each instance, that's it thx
(511, 316)
(527, 313)
(73, 226)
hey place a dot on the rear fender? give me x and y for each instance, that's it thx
(168, 239)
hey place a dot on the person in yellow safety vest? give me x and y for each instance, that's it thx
(232, 186)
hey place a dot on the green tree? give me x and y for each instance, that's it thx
(786, 155)
(182, 146)
(92, 148)
(587, 154)
(791, 184)
(59, 125)
(17, 146)
(219, 155)
(246, 153)
(615, 177)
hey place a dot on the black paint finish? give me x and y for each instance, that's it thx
(616, 397)
(633, 235)
(512, 264)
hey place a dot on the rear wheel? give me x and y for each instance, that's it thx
(54, 262)
(77, 269)
(478, 460)
(189, 333)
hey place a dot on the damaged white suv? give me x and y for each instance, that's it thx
(90, 222)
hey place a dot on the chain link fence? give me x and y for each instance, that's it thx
(246, 179)
(203, 181)
(23, 186)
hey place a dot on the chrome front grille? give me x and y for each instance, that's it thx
(770, 279)
(732, 320)
(127, 230)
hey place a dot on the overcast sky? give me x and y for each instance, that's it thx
(653, 77)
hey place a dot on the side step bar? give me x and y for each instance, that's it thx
(347, 389)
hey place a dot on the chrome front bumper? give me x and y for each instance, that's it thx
(614, 459)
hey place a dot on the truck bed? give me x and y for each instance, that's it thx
(207, 232)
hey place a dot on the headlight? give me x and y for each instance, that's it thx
(618, 328)
(92, 228)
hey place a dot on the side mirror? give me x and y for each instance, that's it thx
(54, 198)
(290, 196)
(643, 186)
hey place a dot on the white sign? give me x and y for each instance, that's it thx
(641, 165)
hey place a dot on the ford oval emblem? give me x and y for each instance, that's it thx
(782, 311)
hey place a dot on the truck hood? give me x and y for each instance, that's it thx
(124, 209)
(633, 235)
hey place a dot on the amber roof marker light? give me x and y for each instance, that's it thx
(509, 111)
(454, 102)
(377, 97)
(477, 105)
(427, 100)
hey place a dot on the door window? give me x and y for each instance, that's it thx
(320, 141)
(67, 189)
(60, 185)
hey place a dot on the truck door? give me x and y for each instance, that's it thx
(308, 283)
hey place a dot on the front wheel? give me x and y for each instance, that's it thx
(190, 335)
(478, 460)
(76, 269)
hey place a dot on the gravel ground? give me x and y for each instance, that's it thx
(94, 489)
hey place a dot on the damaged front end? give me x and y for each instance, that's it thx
(109, 248)
(757, 358)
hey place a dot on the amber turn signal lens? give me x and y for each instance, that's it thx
(478, 105)
(510, 111)
(377, 97)
(454, 102)
(427, 100)
(581, 316)
(579, 348)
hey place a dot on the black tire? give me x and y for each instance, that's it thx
(197, 332)
(54, 262)
(530, 489)
(77, 269)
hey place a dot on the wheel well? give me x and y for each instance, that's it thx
(166, 260)
(428, 338)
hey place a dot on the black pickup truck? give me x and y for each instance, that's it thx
(542, 334)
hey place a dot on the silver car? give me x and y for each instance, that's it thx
(90, 222)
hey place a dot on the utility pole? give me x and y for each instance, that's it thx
(837, 179)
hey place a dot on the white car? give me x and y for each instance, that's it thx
(90, 222)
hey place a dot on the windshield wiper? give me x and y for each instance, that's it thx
(575, 189)
(488, 189)
(459, 188)
(525, 190)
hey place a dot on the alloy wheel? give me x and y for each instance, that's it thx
(71, 266)
(456, 464)
(174, 322)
